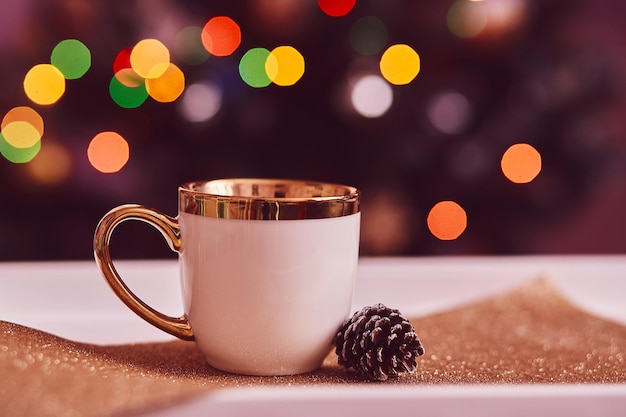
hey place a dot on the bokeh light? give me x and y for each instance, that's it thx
(21, 134)
(188, 46)
(18, 155)
(336, 8)
(26, 114)
(283, 17)
(285, 65)
(467, 18)
(108, 152)
(122, 60)
(72, 58)
(447, 220)
(200, 102)
(368, 35)
(126, 96)
(450, 112)
(496, 18)
(400, 64)
(504, 16)
(53, 164)
(168, 87)
(129, 78)
(252, 68)
(150, 58)
(388, 223)
(521, 163)
(221, 36)
(44, 84)
(371, 96)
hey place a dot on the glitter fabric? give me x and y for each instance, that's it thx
(529, 335)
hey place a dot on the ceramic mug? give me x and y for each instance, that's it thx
(267, 269)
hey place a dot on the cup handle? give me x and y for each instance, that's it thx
(168, 227)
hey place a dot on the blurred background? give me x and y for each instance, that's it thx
(493, 73)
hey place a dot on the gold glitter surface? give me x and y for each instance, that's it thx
(529, 335)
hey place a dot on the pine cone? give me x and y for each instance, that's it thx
(379, 343)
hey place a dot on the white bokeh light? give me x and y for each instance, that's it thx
(450, 113)
(201, 102)
(371, 96)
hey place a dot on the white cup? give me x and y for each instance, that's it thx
(267, 269)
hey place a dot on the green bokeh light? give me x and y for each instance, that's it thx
(252, 68)
(18, 155)
(188, 46)
(127, 97)
(72, 58)
(368, 35)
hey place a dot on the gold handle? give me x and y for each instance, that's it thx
(168, 227)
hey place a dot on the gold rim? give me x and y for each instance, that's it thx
(267, 199)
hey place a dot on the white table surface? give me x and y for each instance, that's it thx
(72, 300)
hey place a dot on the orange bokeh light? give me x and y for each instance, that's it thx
(221, 36)
(108, 152)
(25, 114)
(53, 164)
(521, 163)
(447, 220)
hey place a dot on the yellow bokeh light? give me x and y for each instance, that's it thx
(521, 163)
(284, 65)
(400, 64)
(447, 220)
(44, 84)
(21, 134)
(129, 78)
(108, 152)
(24, 114)
(53, 164)
(168, 87)
(150, 58)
